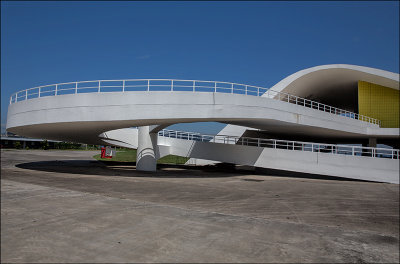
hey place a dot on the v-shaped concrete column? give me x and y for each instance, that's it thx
(147, 151)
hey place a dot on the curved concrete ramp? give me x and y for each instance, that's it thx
(362, 163)
(83, 117)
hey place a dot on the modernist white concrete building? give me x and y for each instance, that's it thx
(323, 120)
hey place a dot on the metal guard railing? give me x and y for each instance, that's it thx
(101, 86)
(285, 144)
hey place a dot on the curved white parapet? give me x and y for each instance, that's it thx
(99, 112)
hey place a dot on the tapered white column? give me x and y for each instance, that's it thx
(146, 157)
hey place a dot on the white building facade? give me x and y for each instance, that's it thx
(327, 120)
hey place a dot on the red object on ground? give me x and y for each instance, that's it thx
(103, 152)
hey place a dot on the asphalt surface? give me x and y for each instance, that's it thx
(63, 206)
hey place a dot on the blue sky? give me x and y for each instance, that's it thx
(256, 43)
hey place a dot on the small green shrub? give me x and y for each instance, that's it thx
(45, 144)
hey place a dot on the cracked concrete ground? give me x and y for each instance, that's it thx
(62, 206)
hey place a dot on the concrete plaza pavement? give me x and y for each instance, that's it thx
(63, 206)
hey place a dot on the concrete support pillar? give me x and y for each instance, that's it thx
(372, 142)
(147, 151)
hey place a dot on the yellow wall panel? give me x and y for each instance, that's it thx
(379, 102)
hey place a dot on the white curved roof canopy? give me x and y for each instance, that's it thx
(335, 84)
(335, 74)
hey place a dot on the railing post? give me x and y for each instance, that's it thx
(123, 85)
(258, 91)
(17, 94)
(26, 94)
(215, 87)
(258, 142)
(56, 90)
(148, 85)
(99, 87)
(194, 86)
(172, 85)
(76, 87)
(246, 89)
(352, 151)
(274, 144)
(232, 88)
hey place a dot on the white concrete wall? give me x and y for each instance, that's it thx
(228, 130)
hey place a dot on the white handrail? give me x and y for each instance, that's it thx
(180, 85)
(285, 144)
